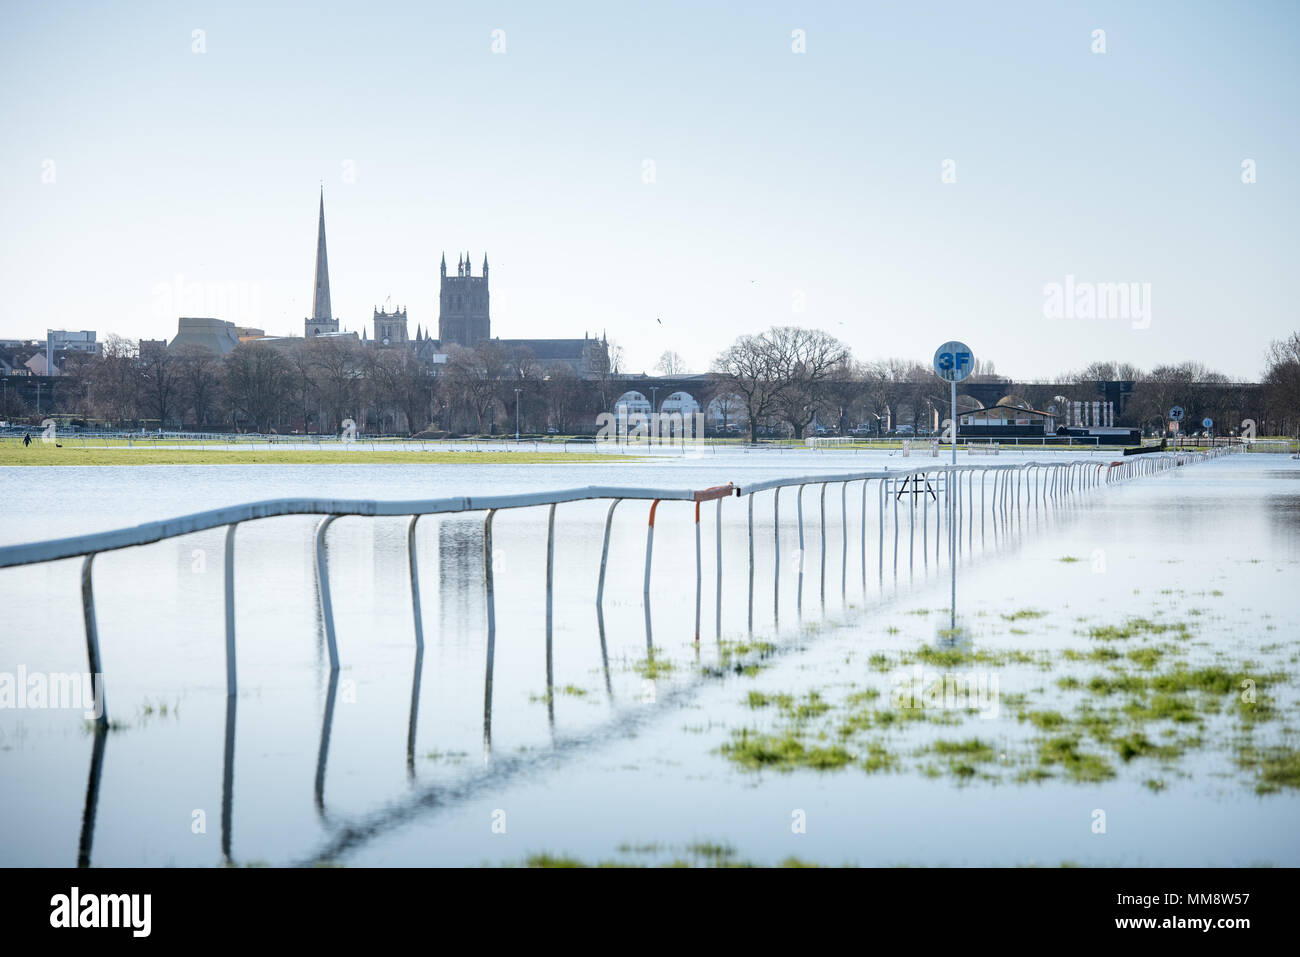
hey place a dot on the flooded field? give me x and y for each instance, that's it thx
(1117, 684)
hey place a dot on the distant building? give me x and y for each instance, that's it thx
(150, 349)
(581, 355)
(465, 319)
(62, 340)
(390, 328)
(288, 344)
(1012, 417)
(216, 335)
(463, 308)
(38, 364)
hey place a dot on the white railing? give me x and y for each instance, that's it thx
(1028, 484)
(866, 443)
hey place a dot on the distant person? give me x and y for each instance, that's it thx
(27, 440)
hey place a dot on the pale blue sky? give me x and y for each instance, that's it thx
(778, 175)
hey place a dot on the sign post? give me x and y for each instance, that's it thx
(953, 362)
(1175, 417)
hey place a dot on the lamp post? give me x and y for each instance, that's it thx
(517, 391)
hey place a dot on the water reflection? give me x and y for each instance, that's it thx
(228, 780)
(92, 796)
(464, 544)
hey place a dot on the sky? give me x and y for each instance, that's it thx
(673, 175)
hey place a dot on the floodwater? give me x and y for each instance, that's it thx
(642, 758)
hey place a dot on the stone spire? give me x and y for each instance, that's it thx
(321, 303)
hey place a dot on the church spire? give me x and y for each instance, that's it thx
(321, 310)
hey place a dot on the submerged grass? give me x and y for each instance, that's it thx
(782, 752)
(1144, 704)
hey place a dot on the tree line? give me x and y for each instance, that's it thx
(777, 382)
(313, 385)
(786, 378)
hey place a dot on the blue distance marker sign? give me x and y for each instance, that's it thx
(1208, 423)
(953, 361)
(1177, 413)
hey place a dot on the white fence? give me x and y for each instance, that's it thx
(1028, 484)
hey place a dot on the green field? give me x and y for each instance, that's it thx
(41, 454)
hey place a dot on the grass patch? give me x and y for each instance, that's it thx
(41, 454)
(1063, 751)
(1134, 627)
(652, 667)
(782, 752)
(1025, 613)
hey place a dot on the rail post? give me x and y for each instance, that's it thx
(323, 588)
(821, 515)
(750, 509)
(604, 551)
(413, 564)
(718, 551)
(776, 563)
(92, 640)
(550, 592)
(699, 571)
(490, 594)
(844, 538)
(231, 688)
(649, 552)
(798, 501)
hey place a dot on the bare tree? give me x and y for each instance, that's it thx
(749, 369)
(199, 382)
(337, 366)
(471, 381)
(563, 391)
(160, 385)
(303, 392)
(671, 363)
(519, 369)
(256, 384)
(607, 370)
(115, 381)
(1282, 384)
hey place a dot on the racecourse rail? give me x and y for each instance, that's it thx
(1025, 484)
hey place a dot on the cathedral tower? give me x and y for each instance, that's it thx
(390, 327)
(463, 313)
